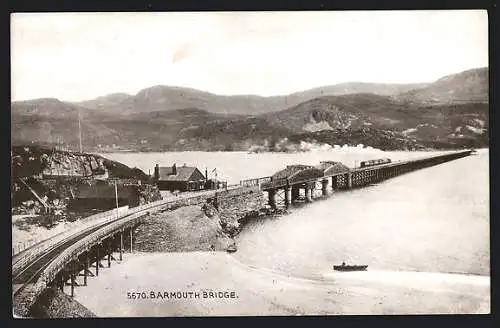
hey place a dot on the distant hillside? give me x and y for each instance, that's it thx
(44, 107)
(104, 102)
(421, 123)
(167, 118)
(50, 121)
(382, 89)
(471, 86)
(468, 86)
(348, 111)
(161, 98)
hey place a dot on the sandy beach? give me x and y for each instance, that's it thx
(248, 291)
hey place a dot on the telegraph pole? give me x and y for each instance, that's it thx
(116, 199)
(80, 131)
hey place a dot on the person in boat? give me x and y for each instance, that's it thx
(343, 263)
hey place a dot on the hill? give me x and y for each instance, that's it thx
(471, 86)
(52, 122)
(159, 118)
(358, 117)
(161, 98)
(104, 102)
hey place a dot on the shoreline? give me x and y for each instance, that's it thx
(351, 148)
(264, 292)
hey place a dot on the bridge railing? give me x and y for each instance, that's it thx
(137, 212)
(69, 253)
(23, 259)
(104, 217)
(283, 181)
(254, 182)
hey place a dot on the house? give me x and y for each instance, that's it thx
(181, 178)
(102, 195)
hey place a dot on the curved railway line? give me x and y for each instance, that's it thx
(32, 264)
(33, 271)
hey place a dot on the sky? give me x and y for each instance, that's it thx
(81, 56)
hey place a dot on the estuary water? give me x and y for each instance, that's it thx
(424, 235)
(431, 220)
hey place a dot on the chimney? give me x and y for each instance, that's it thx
(174, 169)
(157, 172)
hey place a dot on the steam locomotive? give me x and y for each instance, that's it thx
(374, 162)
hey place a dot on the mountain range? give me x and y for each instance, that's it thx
(451, 112)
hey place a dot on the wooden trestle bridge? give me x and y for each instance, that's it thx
(299, 182)
(60, 260)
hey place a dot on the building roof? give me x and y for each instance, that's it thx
(101, 190)
(289, 171)
(292, 174)
(331, 167)
(184, 173)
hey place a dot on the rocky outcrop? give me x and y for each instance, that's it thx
(189, 228)
(54, 303)
(46, 178)
(235, 207)
(29, 161)
(202, 227)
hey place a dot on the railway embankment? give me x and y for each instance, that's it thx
(53, 303)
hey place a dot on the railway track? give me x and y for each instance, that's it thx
(33, 271)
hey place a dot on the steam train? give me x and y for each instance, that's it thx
(374, 162)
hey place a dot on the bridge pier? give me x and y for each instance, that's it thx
(272, 198)
(324, 187)
(334, 183)
(59, 281)
(62, 280)
(121, 245)
(288, 196)
(308, 191)
(131, 244)
(107, 248)
(72, 277)
(295, 193)
(97, 261)
(348, 178)
(86, 269)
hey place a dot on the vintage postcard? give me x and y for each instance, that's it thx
(169, 164)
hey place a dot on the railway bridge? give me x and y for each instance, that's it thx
(328, 176)
(70, 258)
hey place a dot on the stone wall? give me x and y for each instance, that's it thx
(234, 206)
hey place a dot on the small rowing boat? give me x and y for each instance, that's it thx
(345, 267)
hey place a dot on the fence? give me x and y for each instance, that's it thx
(35, 250)
(132, 214)
(69, 253)
(254, 182)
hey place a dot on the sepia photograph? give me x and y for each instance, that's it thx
(250, 163)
